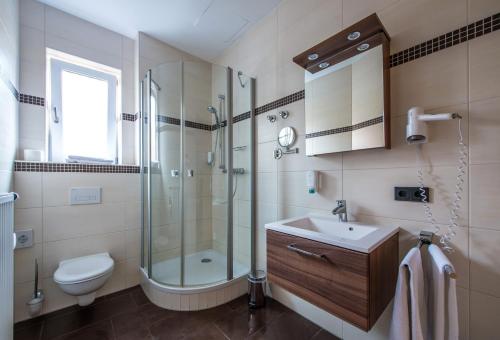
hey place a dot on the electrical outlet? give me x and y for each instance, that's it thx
(24, 238)
(410, 194)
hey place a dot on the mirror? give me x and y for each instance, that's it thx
(347, 104)
(286, 137)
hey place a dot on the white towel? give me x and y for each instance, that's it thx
(409, 314)
(442, 306)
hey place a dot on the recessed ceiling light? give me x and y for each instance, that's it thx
(313, 56)
(324, 65)
(363, 47)
(353, 35)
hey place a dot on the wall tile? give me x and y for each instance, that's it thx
(355, 10)
(484, 200)
(484, 122)
(292, 190)
(436, 81)
(24, 263)
(479, 9)
(30, 218)
(484, 261)
(29, 187)
(484, 66)
(484, 316)
(399, 21)
(32, 14)
(61, 223)
(371, 192)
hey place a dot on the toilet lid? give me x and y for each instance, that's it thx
(83, 268)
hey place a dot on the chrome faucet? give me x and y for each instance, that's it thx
(341, 210)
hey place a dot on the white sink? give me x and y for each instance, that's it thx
(327, 229)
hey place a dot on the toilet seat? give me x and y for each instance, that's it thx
(82, 269)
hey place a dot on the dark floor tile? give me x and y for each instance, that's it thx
(31, 332)
(98, 331)
(151, 313)
(138, 295)
(324, 335)
(288, 326)
(130, 325)
(243, 323)
(86, 316)
(239, 303)
(207, 332)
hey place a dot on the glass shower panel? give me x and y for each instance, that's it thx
(242, 151)
(144, 163)
(166, 173)
(204, 102)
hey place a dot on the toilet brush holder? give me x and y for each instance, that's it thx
(35, 305)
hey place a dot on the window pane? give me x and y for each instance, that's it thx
(85, 115)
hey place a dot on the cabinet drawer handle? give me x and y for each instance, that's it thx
(293, 247)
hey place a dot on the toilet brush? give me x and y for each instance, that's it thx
(36, 302)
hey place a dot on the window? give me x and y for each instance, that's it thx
(83, 117)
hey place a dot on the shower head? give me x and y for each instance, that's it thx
(213, 111)
(240, 74)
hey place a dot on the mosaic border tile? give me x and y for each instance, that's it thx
(29, 99)
(130, 117)
(74, 167)
(343, 129)
(458, 36)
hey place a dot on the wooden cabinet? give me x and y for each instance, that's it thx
(354, 286)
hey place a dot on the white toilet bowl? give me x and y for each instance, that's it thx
(83, 276)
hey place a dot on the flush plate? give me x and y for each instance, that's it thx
(24, 238)
(86, 195)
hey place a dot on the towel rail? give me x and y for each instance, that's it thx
(425, 238)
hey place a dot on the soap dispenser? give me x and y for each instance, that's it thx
(312, 181)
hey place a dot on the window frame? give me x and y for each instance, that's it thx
(55, 142)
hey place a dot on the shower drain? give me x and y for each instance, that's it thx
(206, 260)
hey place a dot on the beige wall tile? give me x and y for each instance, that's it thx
(371, 192)
(29, 187)
(484, 66)
(355, 10)
(484, 261)
(484, 138)
(24, 263)
(436, 81)
(484, 199)
(30, 218)
(74, 221)
(405, 31)
(479, 9)
(292, 190)
(484, 316)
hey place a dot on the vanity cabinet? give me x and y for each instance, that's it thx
(352, 285)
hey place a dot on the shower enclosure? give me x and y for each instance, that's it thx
(197, 173)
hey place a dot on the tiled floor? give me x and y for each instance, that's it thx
(128, 315)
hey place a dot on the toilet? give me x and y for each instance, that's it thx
(83, 276)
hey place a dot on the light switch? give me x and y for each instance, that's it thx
(87, 195)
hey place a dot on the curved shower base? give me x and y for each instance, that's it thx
(195, 296)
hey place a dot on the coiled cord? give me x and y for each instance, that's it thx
(445, 238)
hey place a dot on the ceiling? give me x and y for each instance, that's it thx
(203, 28)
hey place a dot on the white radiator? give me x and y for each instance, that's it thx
(7, 244)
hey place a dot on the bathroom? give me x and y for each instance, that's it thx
(221, 81)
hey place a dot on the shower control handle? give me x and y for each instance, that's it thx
(174, 173)
(56, 117)
(190, 172)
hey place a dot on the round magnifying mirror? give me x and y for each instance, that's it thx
(286, 137)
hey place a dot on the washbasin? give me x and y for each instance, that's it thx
(327, 229)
